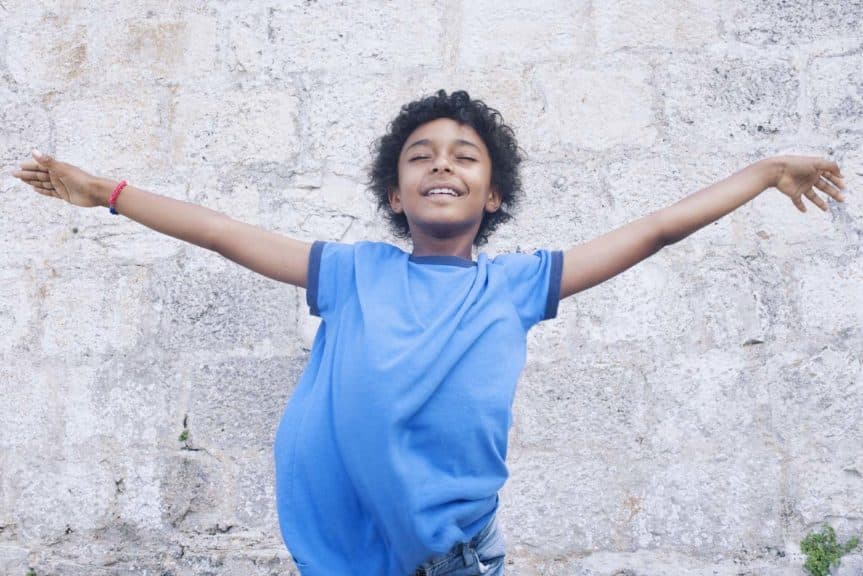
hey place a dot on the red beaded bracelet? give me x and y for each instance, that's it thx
(114, 195)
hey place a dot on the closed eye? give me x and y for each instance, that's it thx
(467, 158)
(417, 158)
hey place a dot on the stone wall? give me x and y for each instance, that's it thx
(698, 414)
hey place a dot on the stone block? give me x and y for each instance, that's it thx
(132, 401)
(638, 314)
(59, 493)
(815, 396)
(824, 297)
(234, 126)
(640, 24)
(110, 132)
(13, 559)
(251, 51)
(722, 101)
(205, 302)
(766, 23)
(60, 47)
(203, 562)
(608, 104)
(139, 475)
(26, 126)
(49, 49)
(597, 402)
(344, 116)
(87, 315)
(236, 403)
(332, 35)
(850, 565)
(562, 204)
(162, 43)
(195, 488)
(256, 499)
(511, 34)
(836, 87)
(32, 413)
(565, 505)
(18, 298)
(712, 450)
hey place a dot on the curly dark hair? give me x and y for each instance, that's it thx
(488, 123)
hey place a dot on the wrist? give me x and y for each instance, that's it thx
(101, 189)
(771, 170)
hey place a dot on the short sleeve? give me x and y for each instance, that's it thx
(330, 274)
(534, 283)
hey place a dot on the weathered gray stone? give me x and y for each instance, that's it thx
(836, 86)
(850, 565)
(596, 108)
(330, 35)
(698, 414)
(640, 24)
(256, 493)
(236, 403)
(204, 302)
(811, 389)
(721, 101)
(193, 487)
(791, 23)
(13, 559)
(242, 126)
(512, 33)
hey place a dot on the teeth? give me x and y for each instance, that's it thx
(447, 191)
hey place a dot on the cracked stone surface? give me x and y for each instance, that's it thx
(698, 414)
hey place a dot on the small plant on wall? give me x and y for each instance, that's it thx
(822, 551)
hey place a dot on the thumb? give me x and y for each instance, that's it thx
(42, 159)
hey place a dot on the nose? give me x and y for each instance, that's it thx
(441, 164)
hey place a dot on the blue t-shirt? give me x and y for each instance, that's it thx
(392, 448)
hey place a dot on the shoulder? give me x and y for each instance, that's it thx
(515, 262)
(359, 249)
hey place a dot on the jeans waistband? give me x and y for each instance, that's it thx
(459, 550)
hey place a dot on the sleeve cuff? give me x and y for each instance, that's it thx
(313, 277)
(553, 298)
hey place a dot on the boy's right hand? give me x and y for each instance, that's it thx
(60, 180)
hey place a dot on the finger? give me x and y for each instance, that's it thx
(31, 175)
(43, 192)
(43, 159)
(799, 203)
(32, 165)
(824, 165)
(829, 190)
(815, 199)
(837, 181)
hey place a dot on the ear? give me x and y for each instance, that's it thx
(395, 200)
(494, 200)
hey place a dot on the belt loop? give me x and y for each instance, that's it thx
(464, 554)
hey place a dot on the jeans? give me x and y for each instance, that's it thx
(484, 554)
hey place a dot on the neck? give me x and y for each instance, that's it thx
(428, 246)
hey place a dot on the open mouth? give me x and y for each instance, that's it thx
(442, 191)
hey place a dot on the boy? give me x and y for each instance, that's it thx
(391, 452)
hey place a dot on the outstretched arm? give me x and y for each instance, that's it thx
(267, 253)
(598, 260)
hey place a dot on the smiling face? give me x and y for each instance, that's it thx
(444, 182)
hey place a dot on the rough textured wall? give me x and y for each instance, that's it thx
(698, 414)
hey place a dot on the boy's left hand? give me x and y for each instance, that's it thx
(798, 176)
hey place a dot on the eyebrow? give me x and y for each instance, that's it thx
(427, 142)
